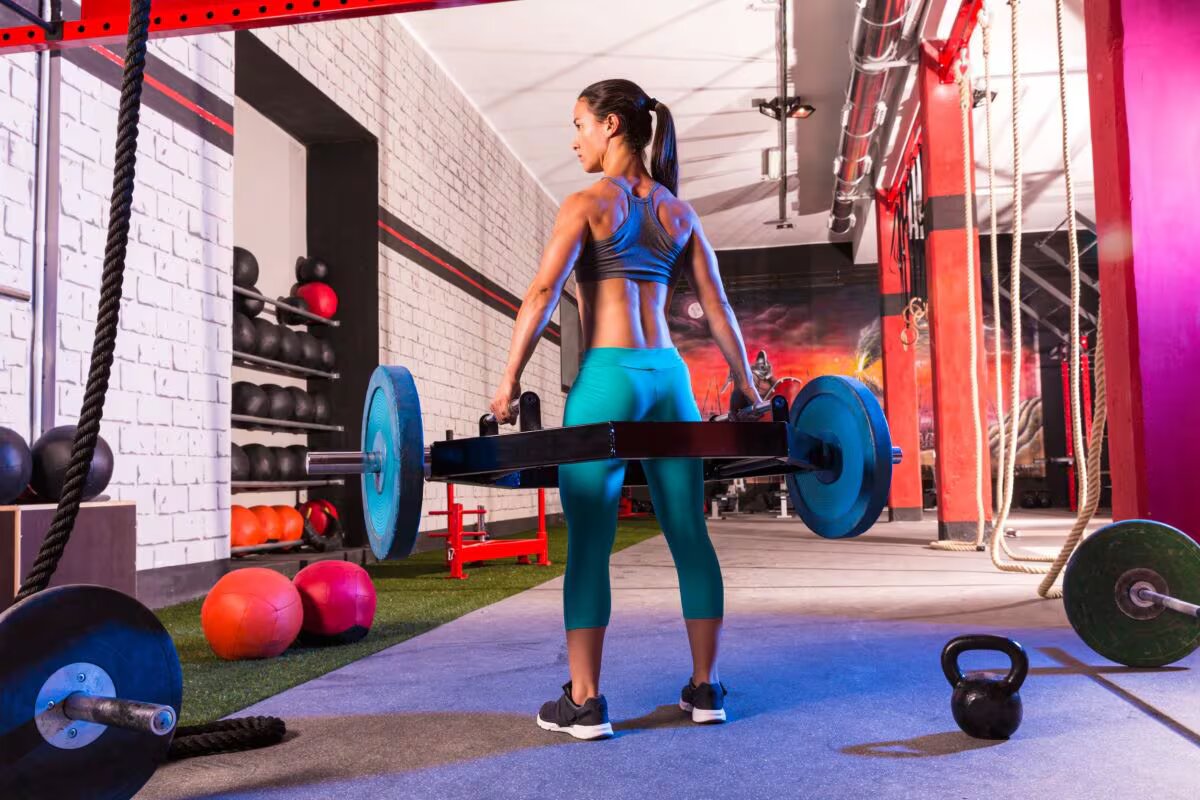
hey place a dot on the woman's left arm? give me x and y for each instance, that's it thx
(541, 298)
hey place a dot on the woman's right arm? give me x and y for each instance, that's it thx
(705, 278)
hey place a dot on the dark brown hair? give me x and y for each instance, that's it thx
(632, 106)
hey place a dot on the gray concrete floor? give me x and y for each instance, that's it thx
(831, 655)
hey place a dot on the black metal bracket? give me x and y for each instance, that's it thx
(53, 26)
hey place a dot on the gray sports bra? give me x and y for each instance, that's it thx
(639, 249)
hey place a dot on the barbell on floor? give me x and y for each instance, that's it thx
(73, 656)
(1132, 593)
(833, 445)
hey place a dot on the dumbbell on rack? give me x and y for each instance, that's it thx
(833, 445)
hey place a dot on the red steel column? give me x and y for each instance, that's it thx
(1143, 78)
(899, 372)
(946, 244)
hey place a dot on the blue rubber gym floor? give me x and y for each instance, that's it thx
(831, 654)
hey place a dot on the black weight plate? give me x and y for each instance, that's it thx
(1094, 577)
(93, 625)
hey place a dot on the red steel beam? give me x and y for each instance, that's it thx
(958, 40)
(107, 21)
(947, 55)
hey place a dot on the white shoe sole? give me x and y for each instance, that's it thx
(703, 716)
(578, 731)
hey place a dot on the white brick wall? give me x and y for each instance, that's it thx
(167, 416)
(18, 169)
(446, 172)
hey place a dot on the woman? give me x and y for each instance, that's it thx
(628, 238)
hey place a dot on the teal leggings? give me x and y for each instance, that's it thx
(617, 384)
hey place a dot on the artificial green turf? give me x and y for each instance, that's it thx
(414, 597)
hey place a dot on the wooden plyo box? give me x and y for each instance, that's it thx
(101, 550)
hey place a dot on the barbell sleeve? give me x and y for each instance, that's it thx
(1173, 603)
(897, 455)
(119, 713)
(342, 463)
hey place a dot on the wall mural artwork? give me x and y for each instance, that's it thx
(793, 335)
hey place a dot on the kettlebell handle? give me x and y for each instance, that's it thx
(982, 641)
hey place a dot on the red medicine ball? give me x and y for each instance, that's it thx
(251, 613)
(321, 298)
(339, 602)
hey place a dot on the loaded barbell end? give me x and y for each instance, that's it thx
(119, 713)
(350, 462)
(1148, 595)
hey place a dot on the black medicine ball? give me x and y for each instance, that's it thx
(239, 467)
(51, 455)
(250, 306)
(249, 399)
(245, 268)
(279, 401)
(262, 462)
(289, 346)
(322, 411)
(243, 333)
(266, 338)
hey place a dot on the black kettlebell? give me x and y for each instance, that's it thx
(289, 346)
(986, 708)
(245, 268)
(266, 338)
(311, 269)
(243, 333)
(250, 306)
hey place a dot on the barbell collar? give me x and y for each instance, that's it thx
(1166, 601)
(897, 455)
(349, 462)
(117, 712)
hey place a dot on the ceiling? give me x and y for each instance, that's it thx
(523, 63)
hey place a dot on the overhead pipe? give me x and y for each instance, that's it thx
(874, 50)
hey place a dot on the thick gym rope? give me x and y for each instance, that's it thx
(237, 734)
(1089, 490)
(964, 104)
(1089, 486)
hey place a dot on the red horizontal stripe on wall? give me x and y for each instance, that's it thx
(203, 113)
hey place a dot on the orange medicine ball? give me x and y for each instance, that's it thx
(291, 522)
(269, 520)
(244, 528)
(251, 613)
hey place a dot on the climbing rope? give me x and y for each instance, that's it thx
(1007, 466)
(998, 349)
(1089, 476)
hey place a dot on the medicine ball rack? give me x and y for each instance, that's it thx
(248, 422)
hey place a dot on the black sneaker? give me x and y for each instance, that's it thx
(705, 702)
(587, 721)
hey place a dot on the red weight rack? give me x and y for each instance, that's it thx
(460, 551)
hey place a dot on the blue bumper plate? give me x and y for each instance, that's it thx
(392, 428)
(846, 498)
